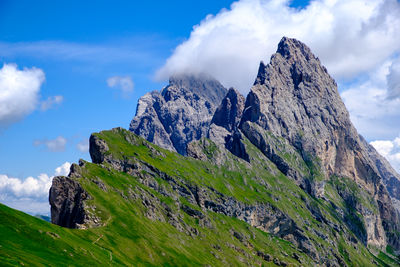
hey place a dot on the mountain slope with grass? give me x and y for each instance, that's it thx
(149, 206)
(280, 178)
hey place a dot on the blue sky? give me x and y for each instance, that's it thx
(131, 38)
(82, 47)
(78, 45)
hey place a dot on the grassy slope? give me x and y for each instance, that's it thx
(130, 238)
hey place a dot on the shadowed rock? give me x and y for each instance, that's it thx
(66, 199)
(180, 113)
(229, 112)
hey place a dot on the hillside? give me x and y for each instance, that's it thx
(149, 215)
(207, 177)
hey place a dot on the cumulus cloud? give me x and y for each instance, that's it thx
(372, 104)
(53, 145)
(349, 36)
(123, 83)
(390, 149)
(19, 92)
(62, 170)
(51, 102)
(30, 187)
(30, 194)
(393, 80)
(83, 146)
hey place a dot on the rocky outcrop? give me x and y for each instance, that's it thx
(66, 199)
(229, 112)
(224, 124)
(97, 149)
(180, 113)
(234, 143)
(294, 97)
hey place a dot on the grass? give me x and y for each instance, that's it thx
(130, 237)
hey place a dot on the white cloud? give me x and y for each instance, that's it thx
(350, 37)
(62, 170)
(30, 194)
(83, 146)
(30, 187)
(393, 80)
(390, 149)
(53, 145)
(372, 104)
(19, 92)
(384, 147)
(51, 101)
(123, 83)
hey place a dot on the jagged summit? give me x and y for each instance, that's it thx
(180, 113)
(291, 48)
(295, 98)
(203, 85)
(293, 52)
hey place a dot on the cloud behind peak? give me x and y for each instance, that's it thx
(350, 37)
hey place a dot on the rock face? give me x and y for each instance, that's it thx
(294, 97)
(97, 149)
(180, 113)
(66, 199)
(225, 122)
(229, 112)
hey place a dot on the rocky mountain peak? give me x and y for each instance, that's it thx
(180, 113)
(295, 98)
(203, 85)
(293, 49)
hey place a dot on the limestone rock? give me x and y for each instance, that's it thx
(234, 143)
(294, 97)
(180, 113)
(224, 124)
(66, 199)
(229, 112)
(97, 149)
(218, 134)
(147, 121)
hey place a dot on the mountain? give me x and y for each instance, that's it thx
(279, 178)
(294, 98)
(180, 113)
